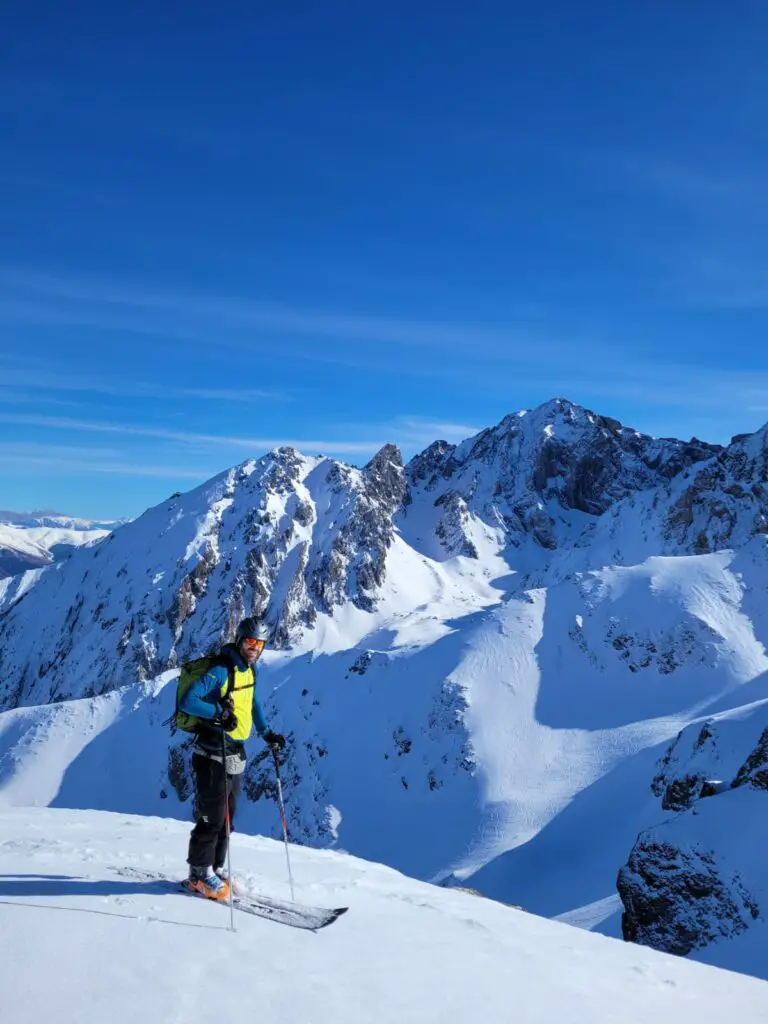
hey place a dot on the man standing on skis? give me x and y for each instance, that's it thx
(227, 705)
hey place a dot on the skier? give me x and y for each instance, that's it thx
(219, 757)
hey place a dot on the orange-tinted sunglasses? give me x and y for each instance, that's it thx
(254, 645)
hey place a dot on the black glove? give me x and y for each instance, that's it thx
(274, 739)
(227, 719)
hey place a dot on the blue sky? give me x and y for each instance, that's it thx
(226, 227)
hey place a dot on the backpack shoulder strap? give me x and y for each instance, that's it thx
(246, 686)
(229, 685)
(220, 660)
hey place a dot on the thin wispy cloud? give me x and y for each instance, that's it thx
(684, 388)
(61, 466)
(44, 380)
(408, 432)
(34, 449)
(704, 186)
(713, 280)
(190, 437)
(231, 394)
(127, 308)
(44, 313)
(714, 254)
(12, 396)
(60, 459)
(417, 430)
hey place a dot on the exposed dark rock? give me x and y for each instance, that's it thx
(179, 770)
(191, 589)
(677, 900)
(724, 503)
(451, 530)
(355, 566)
(433, 463)
(754, 771)
(679, 788)
(361, 665)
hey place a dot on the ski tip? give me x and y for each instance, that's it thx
(333, 915)
(329, 916)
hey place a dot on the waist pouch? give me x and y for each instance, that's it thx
(234, 764)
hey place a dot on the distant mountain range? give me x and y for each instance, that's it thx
(31, 540)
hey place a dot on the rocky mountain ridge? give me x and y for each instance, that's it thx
(292, 538)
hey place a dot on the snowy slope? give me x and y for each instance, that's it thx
(59, 540)
(14, 587)
(626, 658)
(89, 933)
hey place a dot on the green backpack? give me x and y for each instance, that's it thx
(190, 673)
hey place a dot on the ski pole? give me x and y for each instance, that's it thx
(281, 802)
(228, 829)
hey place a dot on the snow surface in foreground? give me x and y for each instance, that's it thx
(82, 941)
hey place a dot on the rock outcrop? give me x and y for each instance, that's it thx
(699, 877)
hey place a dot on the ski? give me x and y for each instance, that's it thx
(294, 915)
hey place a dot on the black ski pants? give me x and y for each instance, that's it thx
(208, 841)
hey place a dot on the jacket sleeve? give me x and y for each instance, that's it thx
(258, 715)
(201, 699)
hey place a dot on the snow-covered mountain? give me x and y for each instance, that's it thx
(56, 521)
(544, 475)
(33, 540)
(93, 930)
(19, 552)
(295, 538)
(716, 503)
(479, 659)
